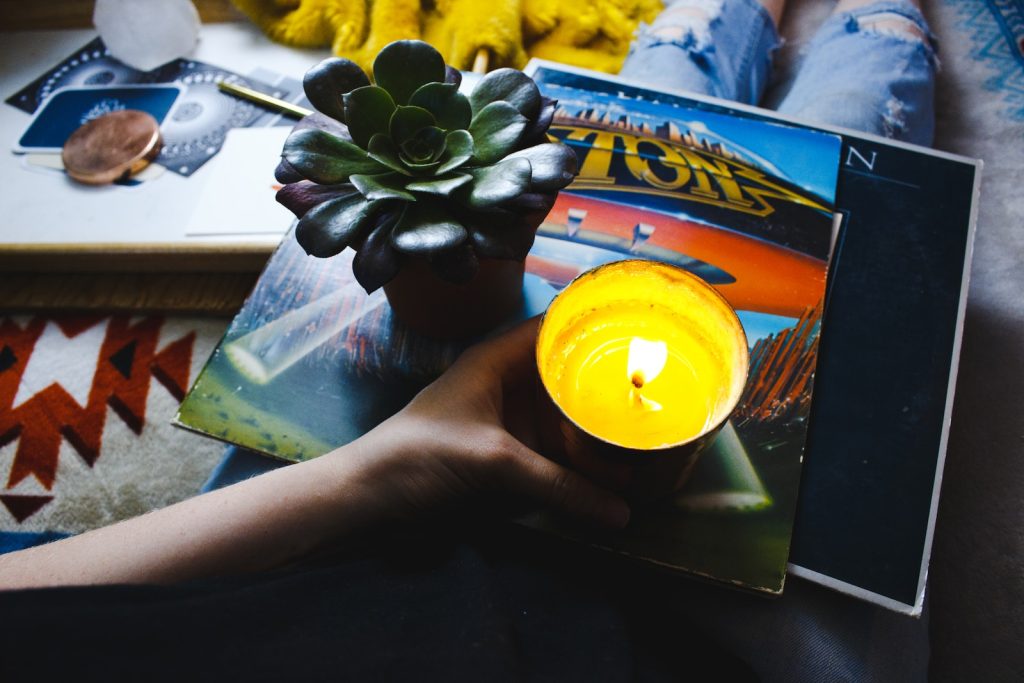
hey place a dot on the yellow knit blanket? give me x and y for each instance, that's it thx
(589, 33)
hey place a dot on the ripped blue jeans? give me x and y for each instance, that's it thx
(870, 69)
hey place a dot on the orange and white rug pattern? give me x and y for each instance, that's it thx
(85, 410)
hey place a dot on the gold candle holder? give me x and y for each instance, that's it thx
(641, 365)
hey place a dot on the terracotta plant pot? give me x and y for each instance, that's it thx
(442, 310)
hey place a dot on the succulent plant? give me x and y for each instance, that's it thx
(409, 167)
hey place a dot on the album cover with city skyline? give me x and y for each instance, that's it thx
(312, 361)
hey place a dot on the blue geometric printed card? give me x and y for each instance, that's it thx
(68, 108)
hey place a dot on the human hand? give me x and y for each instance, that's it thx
(466, 437)
(451, 444)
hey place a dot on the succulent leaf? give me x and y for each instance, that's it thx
(325, 83)
(318, 121)
(367, 112)
(507, 85)
(405, 65)
(458, 150)
(530, 202)
(407, 121)
(426, 228)
(493, 240)
(286, 173)
(425, 147)
(382, 186)
(330, 227)
(299, 197)
(493, 185)
(537, 130)
(425, 169)
(384, 151)
(496, 129)
(443, 100)
(325, 158)
(553, 166)
(452, 75)
(440, 186)
(376, 262)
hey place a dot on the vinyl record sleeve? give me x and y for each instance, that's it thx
(887, 366)
(312, 362)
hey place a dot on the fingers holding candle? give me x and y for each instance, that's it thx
(561, 489)
(510, 355)
(457, 440)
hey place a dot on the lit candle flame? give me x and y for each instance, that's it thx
(645, 362)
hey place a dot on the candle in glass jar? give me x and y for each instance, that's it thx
(642, 355)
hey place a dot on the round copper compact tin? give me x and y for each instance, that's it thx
(111, 147)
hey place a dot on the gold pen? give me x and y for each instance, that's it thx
(264, 100)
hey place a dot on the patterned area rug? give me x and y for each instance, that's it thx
(995, 29)
(85, 404)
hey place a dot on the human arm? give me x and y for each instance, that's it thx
(451, 444)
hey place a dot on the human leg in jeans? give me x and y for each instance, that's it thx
(713, 47)
(871, 65)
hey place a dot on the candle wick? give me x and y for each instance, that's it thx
(638, 380)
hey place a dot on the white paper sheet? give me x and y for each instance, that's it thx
(238, 195)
